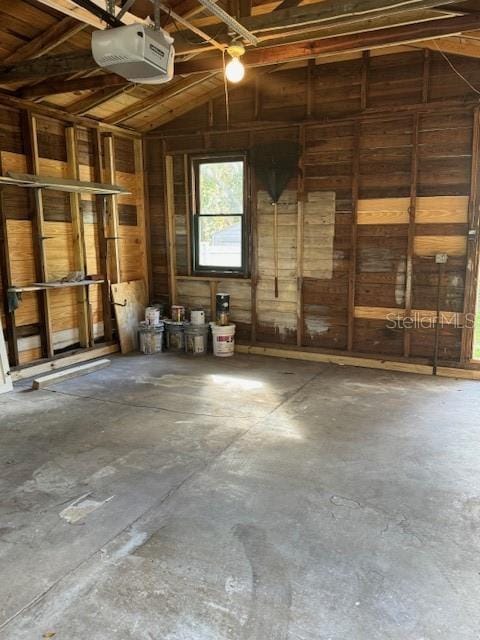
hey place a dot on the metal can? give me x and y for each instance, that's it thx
(178, 313)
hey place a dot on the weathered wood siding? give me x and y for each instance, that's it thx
(385, 185)
(18, 213)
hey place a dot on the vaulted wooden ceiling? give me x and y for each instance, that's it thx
(45, 48)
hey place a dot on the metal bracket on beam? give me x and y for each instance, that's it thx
(229, 21)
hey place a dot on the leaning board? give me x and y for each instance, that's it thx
(5, 378)
(130, 300)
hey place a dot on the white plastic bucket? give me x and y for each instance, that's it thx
(223, 340)
(197, 316)
(196, 339)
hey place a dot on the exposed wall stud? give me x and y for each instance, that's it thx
(411, 231)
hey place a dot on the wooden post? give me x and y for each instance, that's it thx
(253, 251)
(473, 247)
(148, 225)
(364, 84)
(38, 230)
(426, 75)
(310, 87)
(85, 324)
(102, 211)
(188, 213)
(353, 255)
(411, 232)
(141, 213)
(113, 253)
(6, 275)
(213, 300)
(170, 225)
(300, 233)
(258, 99)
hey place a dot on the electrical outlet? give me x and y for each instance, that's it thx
(441, 258)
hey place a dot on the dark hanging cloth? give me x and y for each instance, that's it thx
(275, 164)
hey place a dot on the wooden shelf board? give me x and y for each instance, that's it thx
(39, 286)
(29, 181)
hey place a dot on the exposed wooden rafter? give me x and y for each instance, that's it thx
(46, 41)
(82, 107)
(406, 34)
(164, 94)
(69, 8)
(50, 88)
(326, 11)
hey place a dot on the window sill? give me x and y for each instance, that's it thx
(216, 278)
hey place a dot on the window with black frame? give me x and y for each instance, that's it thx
(219, 215)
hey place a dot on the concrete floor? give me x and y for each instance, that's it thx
(167, 498)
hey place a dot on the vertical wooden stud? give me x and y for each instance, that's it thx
(213, 300)
(140, 204)
(253, 250)
(426, 75)
(188, 212)
(6, 276)
(85, 324)
(113, 251)
(257, 99)
(353, 254)
(411, 232)
(29, 126)
(147, 217)
(473, 247)
(170, 224)
(102, 212)
(364, 82)
(310, 87)
(300, 237)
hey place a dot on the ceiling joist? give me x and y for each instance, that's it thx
(51, 38)
(406, 34)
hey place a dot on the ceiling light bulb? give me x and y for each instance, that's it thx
(235, 70)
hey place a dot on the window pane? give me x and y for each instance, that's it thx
(220, 241)
(221, 187)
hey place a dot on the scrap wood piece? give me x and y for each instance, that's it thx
(130, 300)
(66, 374)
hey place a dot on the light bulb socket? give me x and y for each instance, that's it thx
(236, 50)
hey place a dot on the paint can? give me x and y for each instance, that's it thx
(150, 338)
(222, 309)
(223, 340)
(197, 316)
(178, 313)
(152, 315)
(175, 335)
(196, 339)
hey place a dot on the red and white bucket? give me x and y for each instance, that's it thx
(223, 340)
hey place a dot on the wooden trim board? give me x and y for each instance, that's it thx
(352, 361)
(63, 361)
(67, 374)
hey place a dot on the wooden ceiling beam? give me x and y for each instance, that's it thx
(48, 66)
(50, 88)
(164, 94)
(325, 11)
(69, 8)
(326, 30)
(46, 41)
(459, 46)
(406, 34)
